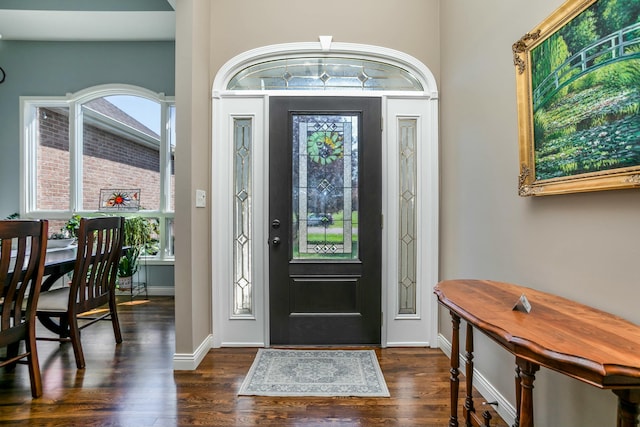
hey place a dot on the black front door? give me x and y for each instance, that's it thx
(325, 220)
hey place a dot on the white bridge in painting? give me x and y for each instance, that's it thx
(614, 47)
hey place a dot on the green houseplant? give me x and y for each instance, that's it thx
(72, 225)
(127, 267)
(138, 233)
(67, 235)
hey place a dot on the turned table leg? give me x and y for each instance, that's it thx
(486, 416)
(628, 409)
(518, 398)
(527, 377)
(468, 403)
(455, 364)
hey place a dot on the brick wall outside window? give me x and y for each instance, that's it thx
(53, 161)
(110, 161)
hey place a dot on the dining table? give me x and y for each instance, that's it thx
(57, 263)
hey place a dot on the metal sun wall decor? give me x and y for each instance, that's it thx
(127, 200)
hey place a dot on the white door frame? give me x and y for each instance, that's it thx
(419, 329)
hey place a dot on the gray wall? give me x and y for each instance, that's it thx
(580, 246)
(159, 278)
(58, 68)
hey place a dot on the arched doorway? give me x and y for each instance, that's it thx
(242, 229)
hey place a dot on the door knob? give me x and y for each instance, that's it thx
(275, 241)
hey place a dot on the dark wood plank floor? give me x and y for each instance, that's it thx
(133, 384)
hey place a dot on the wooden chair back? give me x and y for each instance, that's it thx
(23, 246)
(99, 250)
(92, 285)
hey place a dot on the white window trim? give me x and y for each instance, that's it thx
(347, 50)
(73, 101)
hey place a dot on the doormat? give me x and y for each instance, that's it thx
(315, 373)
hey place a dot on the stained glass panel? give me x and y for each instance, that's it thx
(325, 186)
(242, 292)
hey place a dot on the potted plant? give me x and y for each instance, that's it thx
(137, 233)
(72, 225)
(67, 235)
(127, 267)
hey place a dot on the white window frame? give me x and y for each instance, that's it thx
(74, 101)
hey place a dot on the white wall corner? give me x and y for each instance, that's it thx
(190, 361)
(504, 408)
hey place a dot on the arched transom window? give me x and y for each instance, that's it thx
(324, 73)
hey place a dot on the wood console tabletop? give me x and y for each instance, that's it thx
(571, 338)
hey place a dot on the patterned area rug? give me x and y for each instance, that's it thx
(315, 373)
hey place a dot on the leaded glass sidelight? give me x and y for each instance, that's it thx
(407, 227)
(242, 300)
(325, 186)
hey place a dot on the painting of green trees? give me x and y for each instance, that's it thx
(585, 82)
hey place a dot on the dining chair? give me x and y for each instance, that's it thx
(22, 243)
(92, 285)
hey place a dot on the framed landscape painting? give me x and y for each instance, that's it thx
(578, 93)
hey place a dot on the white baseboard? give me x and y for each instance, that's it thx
(161, 291)
(504, 408)
(152, 291)
(243, 344)
(190, 361)
(407, 344)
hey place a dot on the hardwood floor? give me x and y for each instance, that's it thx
(133, 384)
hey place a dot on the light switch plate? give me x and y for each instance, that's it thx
(201, 199)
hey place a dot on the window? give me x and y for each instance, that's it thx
(106, 137)
(324, 73)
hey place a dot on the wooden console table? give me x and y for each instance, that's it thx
(576, 340)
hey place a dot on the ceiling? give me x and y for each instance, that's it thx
(82, 20)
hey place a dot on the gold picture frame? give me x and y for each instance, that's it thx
(578, 99)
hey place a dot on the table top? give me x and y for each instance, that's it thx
(55, 257)
(60, 256)
(580, 341)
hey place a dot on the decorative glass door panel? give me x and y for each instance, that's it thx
(325, 186)
(325, 209)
